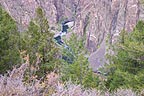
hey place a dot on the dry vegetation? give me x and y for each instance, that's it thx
(13, 84)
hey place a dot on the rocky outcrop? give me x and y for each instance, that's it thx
(96, 18)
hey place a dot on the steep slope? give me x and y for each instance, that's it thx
(96, 18)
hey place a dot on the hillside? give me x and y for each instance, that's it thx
(71, 47)
(98, 18)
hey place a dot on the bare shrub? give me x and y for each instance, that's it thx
(125, 92)
(69, 89)
(12, 84)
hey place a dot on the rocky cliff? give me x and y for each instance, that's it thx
(96, 18)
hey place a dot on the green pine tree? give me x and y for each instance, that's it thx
(127, 65)
(39, 40)
(76, 67)
(9, 42)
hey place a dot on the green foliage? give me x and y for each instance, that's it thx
(9, 42)
(141, 2)
(127, 66)
(39, 40)
(78, 70)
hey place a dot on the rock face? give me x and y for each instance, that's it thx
(96, 18)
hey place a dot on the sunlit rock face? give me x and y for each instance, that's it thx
(96, 18)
